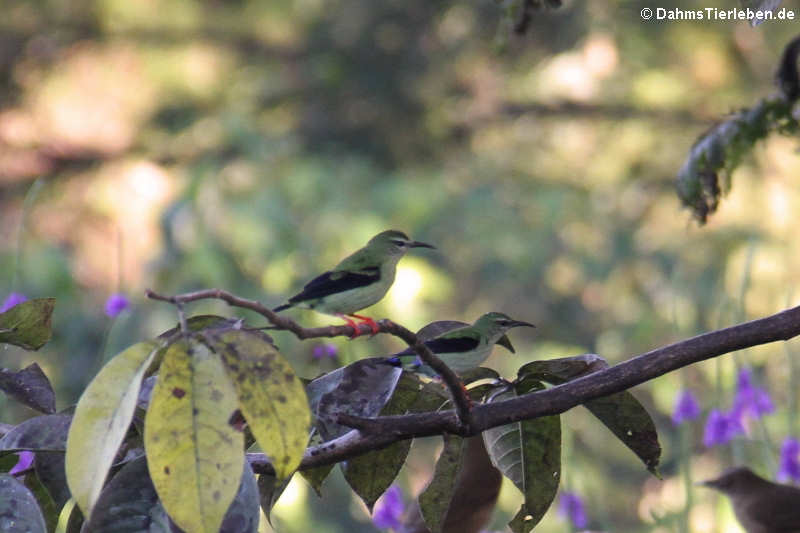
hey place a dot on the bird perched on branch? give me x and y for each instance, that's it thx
(467, 346)
(760, 505)
(357, 282)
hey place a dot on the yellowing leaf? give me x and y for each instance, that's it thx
(271, 397)
(194, 454)
(101, 421)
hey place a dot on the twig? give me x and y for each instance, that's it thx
(386, 430)
(458, 393)
(182, 319)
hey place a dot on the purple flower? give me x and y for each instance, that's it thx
(790, 465)
(686, 407)
(389, 509)
(750, 400)
(721, 428)
(762, 403)
(570, 506)
(13, 299)
(321, 351)
(24, 463)
(116, 304)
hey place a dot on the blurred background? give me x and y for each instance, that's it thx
(248, 145)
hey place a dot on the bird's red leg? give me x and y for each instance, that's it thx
(368, 321)
(352, 323)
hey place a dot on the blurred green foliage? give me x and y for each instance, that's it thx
(247, 145)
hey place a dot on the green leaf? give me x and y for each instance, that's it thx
(557, 371)
(359, 389)
(195, 457)
(19, 511)
(370, 474)
(313, 476)
(621, 413)
(243, 514)
(270, 489)
(481, 392)
(529, 454)
(632, 424)
(50, 470)
(30, 387)
(41, 433)
(28, 324)
(101, 420)
(435, 500)
(316, 476)
(432, 396)
(523, 521)
(7, 462)
(271, 397)
(46, 504)
(129, 503)
(718, 151)
(477, 374)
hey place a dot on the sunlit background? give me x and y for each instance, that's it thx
(247, 145)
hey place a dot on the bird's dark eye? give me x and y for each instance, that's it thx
(399, 243)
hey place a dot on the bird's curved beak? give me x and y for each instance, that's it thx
(418, 244)
(506, 343)
(518, 323)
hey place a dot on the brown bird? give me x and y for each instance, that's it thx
(760, 505)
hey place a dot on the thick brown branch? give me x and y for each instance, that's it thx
(386, 430)
(457, 391)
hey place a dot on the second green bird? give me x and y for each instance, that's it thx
(468, 346)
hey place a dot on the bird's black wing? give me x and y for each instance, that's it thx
(335, 281)
(447, 345)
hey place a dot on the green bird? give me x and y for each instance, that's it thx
(468, 346)
(358, 281)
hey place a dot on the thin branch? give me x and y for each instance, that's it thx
(450, 378)
(457, 391)
(383, 431)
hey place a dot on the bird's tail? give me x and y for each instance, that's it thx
(282, 307)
